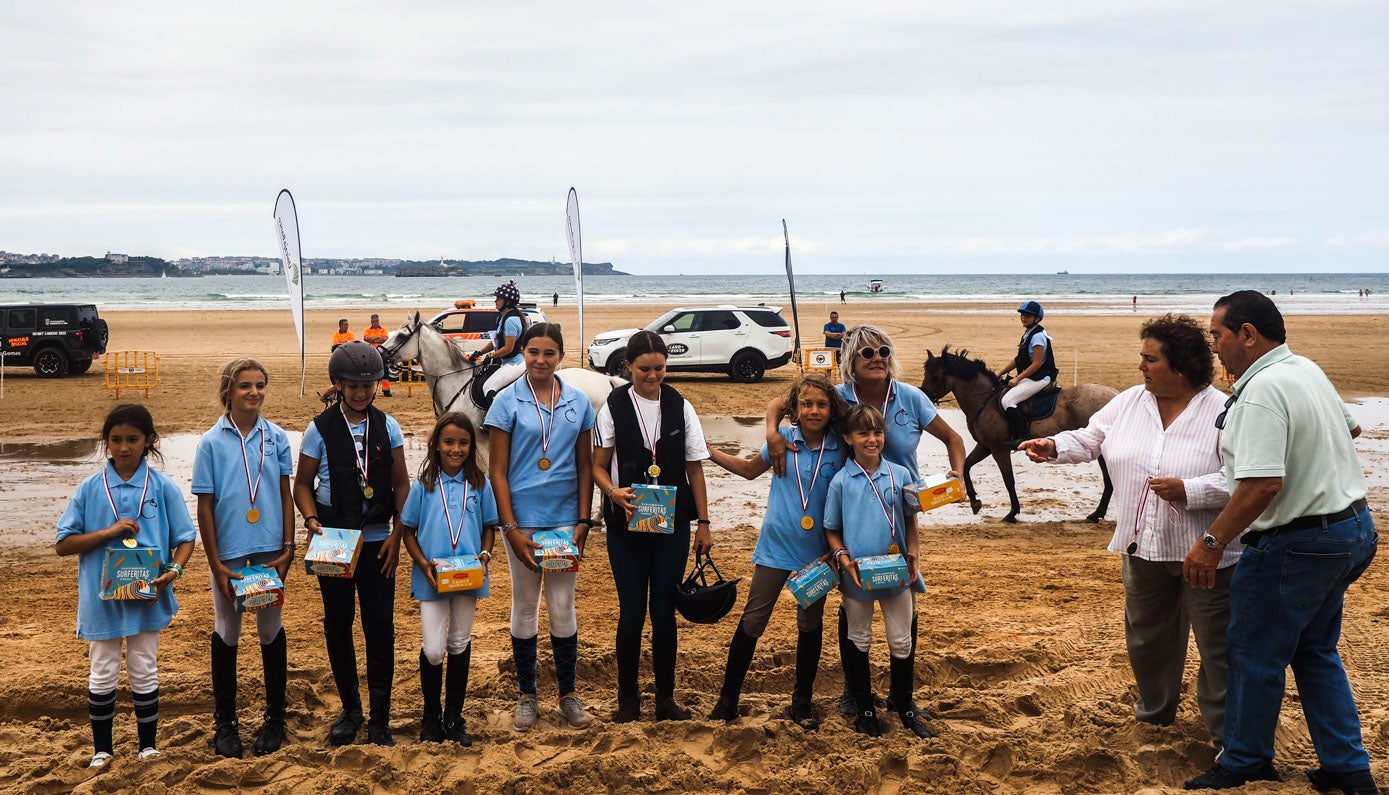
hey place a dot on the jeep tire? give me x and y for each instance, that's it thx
(78, 368)
(51, 363)
(747, 367)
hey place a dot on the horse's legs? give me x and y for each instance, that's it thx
(1005, 467)
(1103, 507)
(975, 456)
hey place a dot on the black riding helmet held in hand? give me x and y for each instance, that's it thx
(700, 601)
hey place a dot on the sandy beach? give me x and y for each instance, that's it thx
(1021, 643)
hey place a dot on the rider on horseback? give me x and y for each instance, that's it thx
(504, 353)
(1036, 369)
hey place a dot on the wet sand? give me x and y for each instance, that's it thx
(1022, 655)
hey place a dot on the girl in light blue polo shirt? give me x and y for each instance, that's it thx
(246, 518)
(541, 454)
(793, 536)
(126, 506)
(450, 511)
(865, 515)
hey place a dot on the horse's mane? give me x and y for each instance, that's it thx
(455, 353)
(961, 366)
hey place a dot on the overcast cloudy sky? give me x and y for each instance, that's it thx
(893, 136)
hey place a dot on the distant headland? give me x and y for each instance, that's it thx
(28, 266)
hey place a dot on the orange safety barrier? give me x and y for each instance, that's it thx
(130, 370)
(409, 376)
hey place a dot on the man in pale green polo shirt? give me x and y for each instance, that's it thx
(1300, 490)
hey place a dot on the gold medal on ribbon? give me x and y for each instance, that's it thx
(129, 542)
(368, 492)
(654, 471)
(543, 463)
(807, 523)
(892, 549)
(253, 516)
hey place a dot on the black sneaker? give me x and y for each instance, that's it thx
(1357, 782)
(270, 737)
(227, 741)
(431, 729)
(457, 731)
(345, 728)
(867, 723)
(1220, 777)
(725, 709)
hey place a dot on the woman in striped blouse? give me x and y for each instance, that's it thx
(1162, 447)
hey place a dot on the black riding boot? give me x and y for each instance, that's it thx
(740, 651)
(663, 654)
(857, 674)
(431, 690)
(1017, 426)
(847, 706)
(891, 704)
(808, 646)
(380, 677)
(227, 740)
(342, 660)
(455, 692)
(275, 662)
(628, 652)
(903, 673)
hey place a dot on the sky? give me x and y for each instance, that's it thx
(913, 137)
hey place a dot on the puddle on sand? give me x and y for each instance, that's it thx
(40, 477)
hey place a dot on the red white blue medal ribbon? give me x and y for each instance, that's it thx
(546, 432)
(454, 535)
(891, 515)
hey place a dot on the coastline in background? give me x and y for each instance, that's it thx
(1296, 293)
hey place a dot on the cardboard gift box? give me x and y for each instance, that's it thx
(933, 492)
(557, 551)
(129, 574)
(653, 509)
(258, 588)
(810, 584)
(459, 573)
(333, 552)
(881, 572)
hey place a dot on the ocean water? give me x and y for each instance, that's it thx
(1296, 293)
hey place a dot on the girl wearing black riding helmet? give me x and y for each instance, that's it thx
(355, 453)
(503, 349)
(1035, 365)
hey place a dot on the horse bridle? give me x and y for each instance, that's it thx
(998, 386)
(471, 366)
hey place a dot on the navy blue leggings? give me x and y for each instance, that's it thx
(647, 564)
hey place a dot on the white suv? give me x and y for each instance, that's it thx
(743, 341)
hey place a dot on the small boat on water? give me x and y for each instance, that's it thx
(875, 286)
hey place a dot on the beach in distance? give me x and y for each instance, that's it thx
(1021, 656)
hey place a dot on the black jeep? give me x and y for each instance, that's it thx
(55, 339)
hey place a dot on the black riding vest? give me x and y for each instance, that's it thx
(341, 450)
(633, 458)
(501, 326)
(1024, 357)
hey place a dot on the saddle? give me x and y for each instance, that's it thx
(1038, 407)
(476, 386)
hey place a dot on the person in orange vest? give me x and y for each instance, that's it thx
(342, 336)
(376, 334)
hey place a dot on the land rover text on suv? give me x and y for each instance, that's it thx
(743, 341)
(54, 339)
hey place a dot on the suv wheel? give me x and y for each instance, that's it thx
(78, 368)
(617, 363)
(747, 367)
(51, 363)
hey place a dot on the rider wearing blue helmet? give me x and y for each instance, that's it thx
(1035, 365)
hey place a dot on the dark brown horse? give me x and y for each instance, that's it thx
(977, 390)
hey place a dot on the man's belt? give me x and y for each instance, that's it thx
(1309, 522)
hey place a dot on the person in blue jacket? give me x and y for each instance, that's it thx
(792, 537)
(866, 516)
(450, 512)
(124, 507)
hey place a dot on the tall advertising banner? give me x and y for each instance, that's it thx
(791, 281)
(576, 253)
(287, 238)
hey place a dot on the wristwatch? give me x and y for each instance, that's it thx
(1212, 542)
